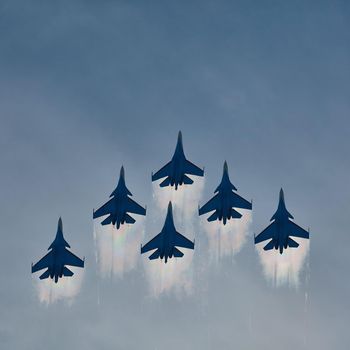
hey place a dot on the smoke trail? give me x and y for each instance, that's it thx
(284, 269)
(117, 251)
(227, 240)
(307, 300)
(177, 275)
(67, 287)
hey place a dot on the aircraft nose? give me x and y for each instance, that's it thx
(281, 194)
(122, 172)
(60, 225)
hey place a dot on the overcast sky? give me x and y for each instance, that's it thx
(87, 86)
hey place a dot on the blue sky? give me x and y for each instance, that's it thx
(88, 86)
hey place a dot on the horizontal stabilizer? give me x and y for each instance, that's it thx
(67, 272)
(165, 183)
(235, 214)
(187, 180)
(292, 243)
(270, 245)
(46, 274)
(213, 216)
(107, 221)
(129, 219)
(154, 255)
(177, 253)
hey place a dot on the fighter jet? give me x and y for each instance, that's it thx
(224, 201)
(120, 204)
(57, 258)
(167, 240)
(280, 230)
(175, 172)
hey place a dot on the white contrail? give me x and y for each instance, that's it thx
(282, 269)
(66, 289)
(227, 240)
(117, 251)
(177, 275)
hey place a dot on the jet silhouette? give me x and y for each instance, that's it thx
(224, 201)
(120, 204)
(57, 258)
(167, 240)
(175, 171)
(280, 230)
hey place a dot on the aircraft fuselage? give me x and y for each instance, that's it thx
(282, 235)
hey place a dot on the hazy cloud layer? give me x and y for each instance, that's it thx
(87, 87)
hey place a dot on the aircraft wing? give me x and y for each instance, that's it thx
(268, 233)
(133, 207)
(72, 260)
(239, 202)
(211, 205)
(163, 172)
(43, 263)
(182, 241)
(106, 209)
(193, 169)
(297, 231)
(154, 243)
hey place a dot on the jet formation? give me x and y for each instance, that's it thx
(222, 207)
